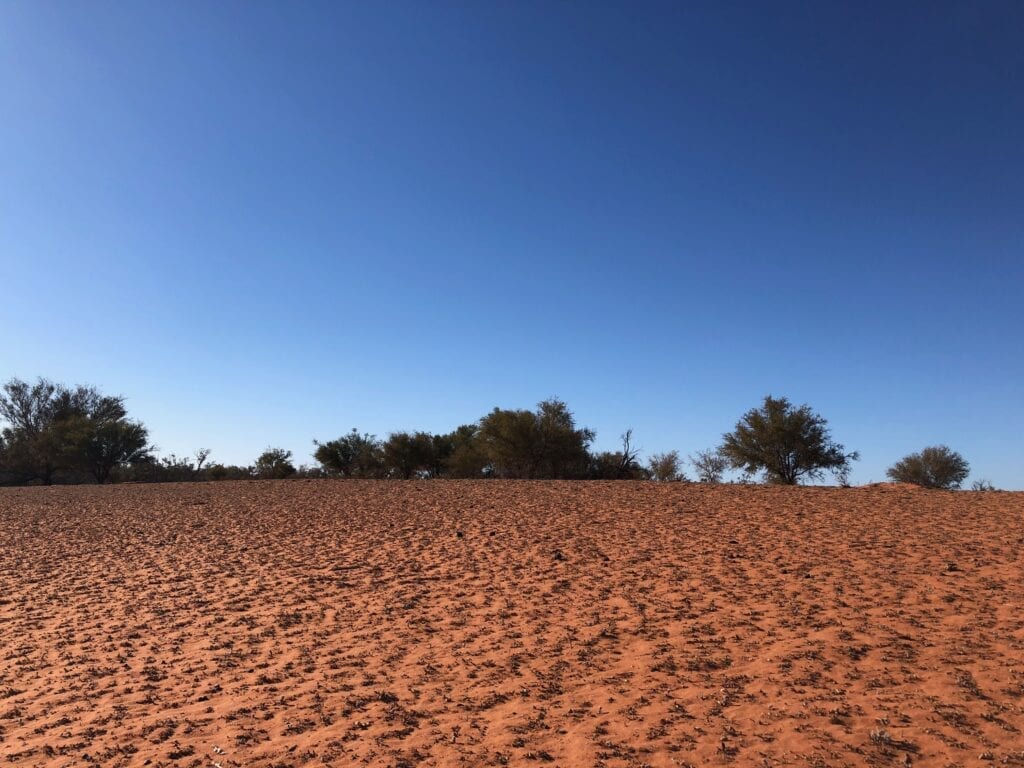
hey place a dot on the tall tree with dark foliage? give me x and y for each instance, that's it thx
(786, 444)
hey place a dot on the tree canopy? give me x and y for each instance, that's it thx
(936, 466)
(623, 464)
(274, 464)
(709, 465)
(785, 443)
(410, 454)
(545, 443)
(665, 467)
(53, 429)
(52, 433)
(351, 455)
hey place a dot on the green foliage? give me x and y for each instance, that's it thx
(228, 472)
(935, 467)
(352, 455)
(785, 443)
(274, 464)
(510, 442)
(617, 465)
(408, 454)
(534, 444)
(665, 467)
(53, 433)
(36, 444)
(612, 465)
(709, 465)
(112, 444)
(56, 432)
(461, 453)
(175, 469)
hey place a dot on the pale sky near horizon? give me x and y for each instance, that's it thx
(266, 223)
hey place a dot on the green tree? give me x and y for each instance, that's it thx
(406, 454)
(352, 455)
(112, 444)
(55, 429)
(618, 465)
(665, 467)
(935, 467)
(461, 453)
(510, 442)
(785, 443)
(442, 448)
(565, 448)
(274, 464)
(7, 475)
(709, 465)
(33, 448)
(535, 444)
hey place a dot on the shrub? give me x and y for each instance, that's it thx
(935, 467)
(352, 455)
(710, 465)
(665, 467)
(274, 464)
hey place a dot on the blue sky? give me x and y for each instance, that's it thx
(269, 222)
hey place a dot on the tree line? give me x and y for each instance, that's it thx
(53, 433)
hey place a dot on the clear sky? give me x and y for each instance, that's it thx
(269, 222)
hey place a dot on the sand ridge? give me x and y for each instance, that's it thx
(466, 623)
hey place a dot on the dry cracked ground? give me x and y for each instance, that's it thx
(447, 623)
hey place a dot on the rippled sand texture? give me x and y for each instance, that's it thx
(510, 623)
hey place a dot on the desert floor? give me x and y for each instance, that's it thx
(445, 623)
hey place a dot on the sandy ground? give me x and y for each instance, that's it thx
(510, 623)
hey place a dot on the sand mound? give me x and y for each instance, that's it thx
(498, 623)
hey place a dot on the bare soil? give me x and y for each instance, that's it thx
(445, 623)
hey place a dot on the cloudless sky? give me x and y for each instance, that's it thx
(269, 222)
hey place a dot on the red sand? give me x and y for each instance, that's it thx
(510, 623)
